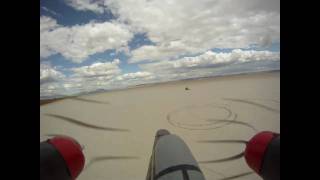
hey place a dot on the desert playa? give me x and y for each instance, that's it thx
(214, 116)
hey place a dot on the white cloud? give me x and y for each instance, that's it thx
(84, 79)
(177, 28)
(210, 59)
(132, 79)
(140, 75)
(108, 75)
(98, 69)
(185, 27)
(160, 52)
(87, 5)
(78, 42)
(208, 64)
(180, 27)
(47, 24)
(61, 88)
(49, 74)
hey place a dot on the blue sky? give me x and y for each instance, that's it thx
(105, 44)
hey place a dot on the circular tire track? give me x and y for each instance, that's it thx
(229, 158)
(213, 123)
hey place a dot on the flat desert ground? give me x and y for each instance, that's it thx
(117, 128)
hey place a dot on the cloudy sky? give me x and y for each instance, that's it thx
(86, 45)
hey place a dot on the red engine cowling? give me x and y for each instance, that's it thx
(262, 154)
(61, 158)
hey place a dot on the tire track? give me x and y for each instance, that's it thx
(213, 171)
(202, 126)
(237, 156)
(237, 176)
(233, 141)
(253, 103)
(89, 100)
(216, 123)
(91, 126)
(236, 122)
(229, 112)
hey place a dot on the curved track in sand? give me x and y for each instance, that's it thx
(216, 123)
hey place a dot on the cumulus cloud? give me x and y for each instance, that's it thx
(98, 69)
(79, 84)
(49, 74)
(61, 88)
(87, 5)
(210, 59)
(78, 42)
(47, 24)
(132, 79)
(181, 27)
(185, 27)
(83, 79)
(160, 52)
(140, 75)
(107, 75)
(183, 34)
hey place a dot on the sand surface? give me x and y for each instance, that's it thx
(117, 128)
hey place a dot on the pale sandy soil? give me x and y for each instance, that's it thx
(204, 112)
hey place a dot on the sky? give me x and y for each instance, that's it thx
(90, 45)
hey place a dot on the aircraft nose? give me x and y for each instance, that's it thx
(162, 132)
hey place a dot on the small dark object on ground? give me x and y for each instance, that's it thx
(187, 89)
